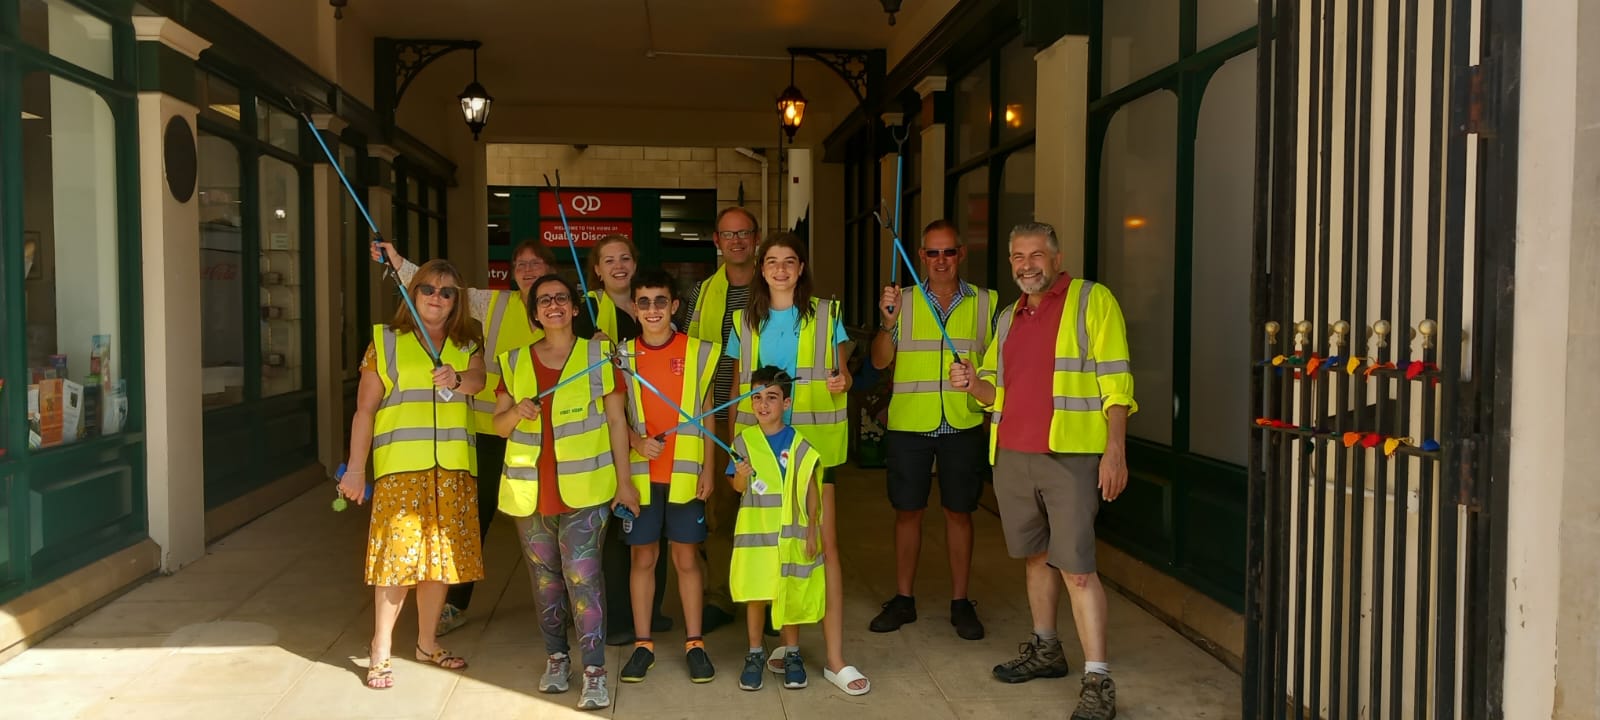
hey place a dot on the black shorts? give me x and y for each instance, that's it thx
(963, 468)
(685, 523)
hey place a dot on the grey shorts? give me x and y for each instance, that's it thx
(1048, 503)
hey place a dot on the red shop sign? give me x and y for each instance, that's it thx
(588, 204)
(499, 275)
(585, 233)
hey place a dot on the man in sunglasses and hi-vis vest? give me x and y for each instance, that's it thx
(1060, 385)
(931, 421)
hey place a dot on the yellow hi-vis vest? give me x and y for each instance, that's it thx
(505, 326)
(605, 313)
(689, 452)
(922, 361)
(1092, 371)
(415, 429)
(818, 414)
(710, 305)
(769, 535)
(582, 445)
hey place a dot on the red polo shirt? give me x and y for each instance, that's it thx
(1029, 355)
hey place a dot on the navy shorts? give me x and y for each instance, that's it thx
(963, 468)
(685, 523)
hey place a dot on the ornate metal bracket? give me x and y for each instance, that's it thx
(398, 61)
(862, 70)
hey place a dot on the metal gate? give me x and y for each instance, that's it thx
(1381, 312)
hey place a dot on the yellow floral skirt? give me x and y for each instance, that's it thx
(424, 529)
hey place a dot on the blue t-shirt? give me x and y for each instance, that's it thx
(780, 343)
(779, 443)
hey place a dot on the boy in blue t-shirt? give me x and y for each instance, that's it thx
(777, 556)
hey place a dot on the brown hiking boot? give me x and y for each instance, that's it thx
(1097, 700)
(1038, 659)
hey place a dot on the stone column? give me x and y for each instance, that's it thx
(170, 232)
(1061, 144)
(327, 205)
(935, 115)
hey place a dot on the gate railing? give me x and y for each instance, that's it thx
(1382, 241)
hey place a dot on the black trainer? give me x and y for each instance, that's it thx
(1038, 659)
(898, 611)
(964, 615)
(639, 664)
(700, 669)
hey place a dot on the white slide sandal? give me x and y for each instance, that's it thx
(845, 676)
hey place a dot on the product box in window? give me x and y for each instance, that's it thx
(46, 415)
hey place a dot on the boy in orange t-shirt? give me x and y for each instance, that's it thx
(672, 475)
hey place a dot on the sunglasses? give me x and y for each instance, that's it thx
(731, 234)
(936, 252)
(660, 302)
(448, 293)
(545, 301)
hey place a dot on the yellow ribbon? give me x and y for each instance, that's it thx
(1392, 444)
(1351, 367)
(1279, 359)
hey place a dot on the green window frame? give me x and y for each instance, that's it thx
(62, 508)
(1182, 513)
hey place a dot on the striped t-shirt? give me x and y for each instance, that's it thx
(738, 295)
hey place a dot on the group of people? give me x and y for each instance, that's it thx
(601, 423)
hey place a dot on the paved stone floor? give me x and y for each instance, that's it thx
(273, 623)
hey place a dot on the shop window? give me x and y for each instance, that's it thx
(1223, 186)
(282, 358)
(974, 113)
(72, 34)
(1138, 211)
(1138, 38)
(278, 128)
(221, 196)
(1018, 88)
(971, 213)
(1218, 20)
(221, 100)
(71, 280)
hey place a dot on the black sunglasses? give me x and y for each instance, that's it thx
(936, 252)
(660, 302)
(448, 293)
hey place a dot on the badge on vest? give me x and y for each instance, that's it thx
(758, 487)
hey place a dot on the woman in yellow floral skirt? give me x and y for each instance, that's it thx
(417, 422)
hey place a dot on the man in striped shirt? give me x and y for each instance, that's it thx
(707, 314)
(930, 421)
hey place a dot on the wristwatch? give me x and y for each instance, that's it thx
(458, 379)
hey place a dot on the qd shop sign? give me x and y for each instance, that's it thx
(587, 205)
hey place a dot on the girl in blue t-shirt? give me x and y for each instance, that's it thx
(784, 326)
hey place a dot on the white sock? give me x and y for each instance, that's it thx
(1097, 667)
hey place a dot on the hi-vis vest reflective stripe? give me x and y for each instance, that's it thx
(1081, 382)
(605, 313)
(582, 445)
(921, 362)
(710, 305)
(689, 451)
(769, 536)
(505, 326)
(818, 414)
(414, 427)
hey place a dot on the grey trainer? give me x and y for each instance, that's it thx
(557, 668)
(1038, 659)
(1097, 700)
(595, 693)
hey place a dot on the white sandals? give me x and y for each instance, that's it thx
(845, 676)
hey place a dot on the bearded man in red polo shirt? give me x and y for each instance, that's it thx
(1058, 380)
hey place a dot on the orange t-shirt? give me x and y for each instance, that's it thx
(664, 368)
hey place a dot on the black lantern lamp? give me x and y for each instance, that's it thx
(791, 105)
(475, 101)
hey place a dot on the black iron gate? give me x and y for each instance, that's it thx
(1382, 305)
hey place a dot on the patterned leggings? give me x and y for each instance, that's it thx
(563, 553)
